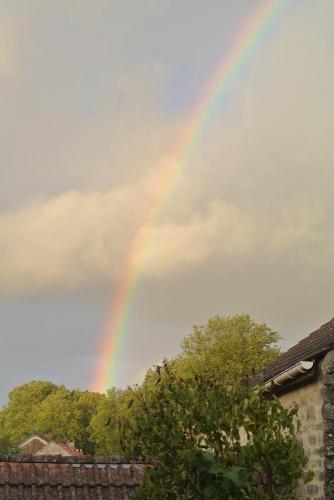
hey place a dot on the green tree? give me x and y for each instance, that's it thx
(86, 404)
(104, 426)
(37, 406)
(59, 414)
(18, 418)
(209, 440)
(231, 348)
(67, 414)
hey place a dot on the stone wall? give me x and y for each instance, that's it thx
(310, 401)
(327, 368)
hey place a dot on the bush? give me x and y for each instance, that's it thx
(206, 440)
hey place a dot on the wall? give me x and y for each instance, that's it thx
(32, 446)
(310, 401)
(53, 448)
(327, 368)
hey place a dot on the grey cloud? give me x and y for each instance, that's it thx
(85, 126)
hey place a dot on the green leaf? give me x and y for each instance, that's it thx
(216, 468)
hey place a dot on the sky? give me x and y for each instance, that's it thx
(93, 97)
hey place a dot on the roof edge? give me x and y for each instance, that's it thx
(34, 436)
(60, 459)
(289, 374)
(310, 348)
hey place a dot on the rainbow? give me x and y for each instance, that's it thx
(216, 90)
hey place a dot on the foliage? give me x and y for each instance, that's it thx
(231, 348)
(228, 349)
(86, 404)
(59, 414)
(38, 406)
(209, 440)
(104, 426)
(18, 418)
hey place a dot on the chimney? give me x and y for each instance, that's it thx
(48, 436)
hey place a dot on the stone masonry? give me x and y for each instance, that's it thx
(327, 368)
(316, 414)
(309, 398)
(314, 394)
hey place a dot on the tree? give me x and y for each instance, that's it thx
(104, 426)
(232, 348)
(18, 418)
(229, 349)
(59, 414)
(86, 404)
(37, 406)
(209, 440)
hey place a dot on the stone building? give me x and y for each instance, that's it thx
(305, 374)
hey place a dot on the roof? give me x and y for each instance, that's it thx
(54, 448)
(71, 451)
(89, 478)
(31, 438)
(312, 347)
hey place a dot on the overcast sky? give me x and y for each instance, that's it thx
(93, 96)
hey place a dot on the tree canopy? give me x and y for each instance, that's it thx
(228, 349)
(209, 440)
(39, 406)
(197, 418)
(104, 426)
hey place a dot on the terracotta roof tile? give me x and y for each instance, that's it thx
(71, 451)
(89, 478)
(310, 348)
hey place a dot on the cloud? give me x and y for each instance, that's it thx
(11, 27)
(81, 240)
(222, 229)
(248, 226)
(78, 240)
(66, 242)
(258, 183)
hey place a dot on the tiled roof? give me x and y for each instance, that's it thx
(72, 452)
(310, 348)
(57, 477)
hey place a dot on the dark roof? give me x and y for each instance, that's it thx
(55, 477)
(310, 348)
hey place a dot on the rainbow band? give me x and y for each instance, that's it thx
(216, 90)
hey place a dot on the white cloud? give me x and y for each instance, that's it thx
(222, 230)
(69, 241)
(81, 240)
(76, 240)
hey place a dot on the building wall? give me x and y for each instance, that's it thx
(327, 369)
(310, 401)
(53, 448)
(32, 447)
